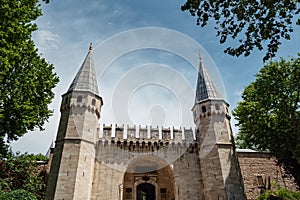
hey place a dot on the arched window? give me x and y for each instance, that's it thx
(203, 109)
(93, 102)
(217, 107)
(79, 99)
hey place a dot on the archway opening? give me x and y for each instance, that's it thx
(145, 191)
(148, 177)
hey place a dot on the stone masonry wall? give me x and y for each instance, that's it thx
(260, 172)
(188, 177)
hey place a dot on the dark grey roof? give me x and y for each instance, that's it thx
(85, 79)
(206, 88)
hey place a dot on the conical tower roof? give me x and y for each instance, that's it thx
(206, 88)
(85, 79)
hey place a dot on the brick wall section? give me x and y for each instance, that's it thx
(255, 164)
(188, 177)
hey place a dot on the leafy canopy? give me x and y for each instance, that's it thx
(26, 79)
(269, 115)
(251, 23)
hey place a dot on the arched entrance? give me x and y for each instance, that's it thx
(145, 191)
(148, 178)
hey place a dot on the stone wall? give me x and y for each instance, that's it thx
(253, 165)
(260, 172)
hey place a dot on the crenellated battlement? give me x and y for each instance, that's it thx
(123, 144)
(146, 134)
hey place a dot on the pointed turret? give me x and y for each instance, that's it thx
(85, 80)
(71, 172)
(205, 89)
(219, 165)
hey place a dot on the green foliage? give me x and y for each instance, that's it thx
(38, 157)
(21, 172)
(4, 148)
(17, 195)
(252, 23)
(281, 193)
(269, 115)
(26, 79)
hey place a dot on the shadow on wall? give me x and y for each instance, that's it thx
(234, 184)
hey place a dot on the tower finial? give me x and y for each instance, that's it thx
(85, 79)
(91, 47)
(200, 57)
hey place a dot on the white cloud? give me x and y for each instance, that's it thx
(238, 93)
(46, 40)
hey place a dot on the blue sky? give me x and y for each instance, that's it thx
(158, 84)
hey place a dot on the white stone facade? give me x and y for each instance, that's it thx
(134, 163)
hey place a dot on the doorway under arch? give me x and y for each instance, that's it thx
(145, 191)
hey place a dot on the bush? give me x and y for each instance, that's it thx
(21, 172)
(279, 194)
(17, 195)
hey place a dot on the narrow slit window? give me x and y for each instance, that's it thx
(260, 181)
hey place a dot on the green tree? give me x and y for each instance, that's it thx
(269, 115)
(250, 23)
(21, 172)
(26, 79)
